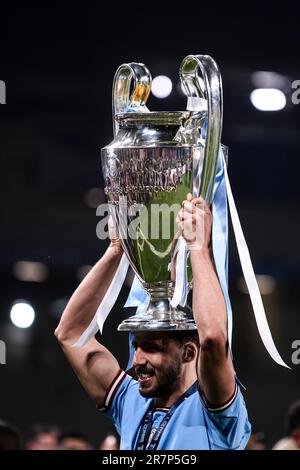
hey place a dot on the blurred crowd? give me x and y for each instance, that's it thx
(48, 437)
(291, 440)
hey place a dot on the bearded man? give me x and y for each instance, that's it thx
(186, 395)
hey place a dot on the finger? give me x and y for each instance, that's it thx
(188, 227)
(180, 214)
(201, 204)
(198, 200)
(186, 216)
(183, 203)
(180, 226)
(189, 197)
(178, 219)
(189, 207)
(111, 223)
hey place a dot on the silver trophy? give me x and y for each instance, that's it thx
(155, 159)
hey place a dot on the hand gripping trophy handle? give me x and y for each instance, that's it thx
(205, 104)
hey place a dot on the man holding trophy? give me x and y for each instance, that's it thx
(185, 395)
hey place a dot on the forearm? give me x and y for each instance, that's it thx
(214, 365)
(215, 369)
(208, 301)
(86, 299)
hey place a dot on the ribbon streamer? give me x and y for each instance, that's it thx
(181, 289)
(137, 297)
(250, 279)
(220, 238)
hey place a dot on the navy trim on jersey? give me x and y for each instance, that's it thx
(217, 408)
(112, 390)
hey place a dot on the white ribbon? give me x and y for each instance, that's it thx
(181, 290)
(250, 279)
(195, 103)
(137, 297)
(107, 303)
(220, 238)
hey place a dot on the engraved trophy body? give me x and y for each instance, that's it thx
(155, 159)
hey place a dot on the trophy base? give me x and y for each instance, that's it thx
(160, 316)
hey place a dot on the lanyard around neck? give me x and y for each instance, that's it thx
(146, 426)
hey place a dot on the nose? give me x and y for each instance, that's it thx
(139, 358)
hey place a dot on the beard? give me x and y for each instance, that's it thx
(164, 381)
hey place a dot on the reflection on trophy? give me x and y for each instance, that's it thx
(155, 159)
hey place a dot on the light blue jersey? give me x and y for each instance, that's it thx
(193, 425)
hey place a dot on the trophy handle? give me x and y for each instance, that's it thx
(214, 96)
(121, 89)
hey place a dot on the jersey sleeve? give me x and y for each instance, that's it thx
(228, 425)
(116, 397)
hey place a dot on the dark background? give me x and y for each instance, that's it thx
(58, 64)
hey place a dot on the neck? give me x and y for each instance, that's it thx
(169, 400)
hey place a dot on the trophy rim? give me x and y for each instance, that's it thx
(159, 315)
(162, 118)
(133, 324)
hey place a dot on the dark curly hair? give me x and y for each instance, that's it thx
(184, 336)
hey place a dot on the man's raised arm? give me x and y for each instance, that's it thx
(215, 368)
(94, 365)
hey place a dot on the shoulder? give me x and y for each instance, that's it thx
(228, 425)
(125, 406)
(122, 388)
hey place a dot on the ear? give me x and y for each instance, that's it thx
(189, 352)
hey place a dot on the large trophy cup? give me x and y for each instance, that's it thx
(155, 159)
